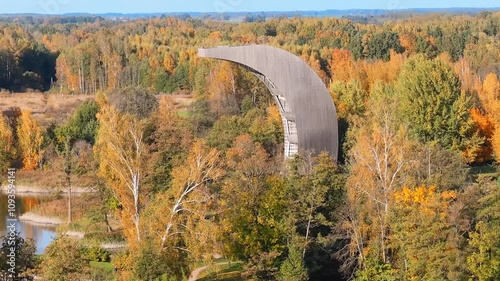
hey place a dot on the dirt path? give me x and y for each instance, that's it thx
(195, 273)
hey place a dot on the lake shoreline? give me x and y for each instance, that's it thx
(38, 220)
(54, 222)
(27, 190)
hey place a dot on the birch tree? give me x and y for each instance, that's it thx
(123, 153)
(190, 190)
(377, 160)
(180, 217)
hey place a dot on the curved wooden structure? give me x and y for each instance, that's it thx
(308, 113)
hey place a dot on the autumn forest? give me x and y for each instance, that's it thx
(182, 157)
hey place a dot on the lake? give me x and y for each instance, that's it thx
(41, 234)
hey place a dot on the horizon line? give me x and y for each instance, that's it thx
(250, 12)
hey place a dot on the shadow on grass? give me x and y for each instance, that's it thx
(485, 170)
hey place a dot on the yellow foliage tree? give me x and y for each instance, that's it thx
(377, 160)
(423, 197)
(490, 96)
(223, 87)
(6, 144)
(178, 216)
(30, 137)
(424, 238)
(463, 70)
(316, 66)
(274, 115)
(408, 41)
(495, 142)
(122, 153)
(169, 63)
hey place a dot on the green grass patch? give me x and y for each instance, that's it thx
(86, 225)
(485, 170)
(103, 271)
(184, 113)
(103, 265)
(215, 261)
(94, 231)
(224, 272)
(105, 237)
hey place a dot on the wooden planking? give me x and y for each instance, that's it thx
(306, 94)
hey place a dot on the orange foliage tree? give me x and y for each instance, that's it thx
(485, 128)
(491, 89)
(380, 70)
(489, 95)
(342, 65)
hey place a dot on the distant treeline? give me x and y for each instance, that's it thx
(31, 67)
(96, 54)
(349, 13)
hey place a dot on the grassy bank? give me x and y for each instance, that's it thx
(224, 272)
(51, 179)
(35, 219)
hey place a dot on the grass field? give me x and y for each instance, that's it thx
(44, 107)
(103, 271)
(51, 107)
(222, 273)
(184, 113)
(103, 265)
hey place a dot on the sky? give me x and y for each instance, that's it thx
(163, 6)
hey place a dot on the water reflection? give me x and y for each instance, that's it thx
(41, 234)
